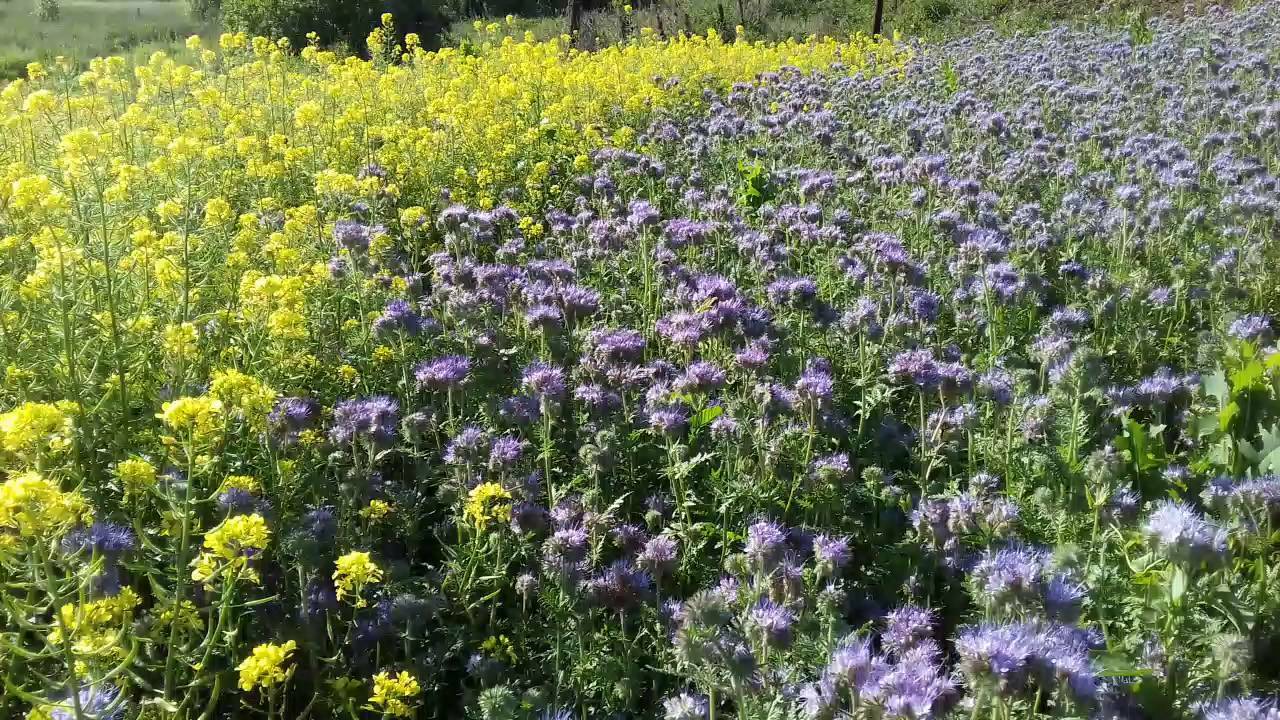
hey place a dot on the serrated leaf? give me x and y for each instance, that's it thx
(1246, 377)
(1216, 386)
(1227, 414)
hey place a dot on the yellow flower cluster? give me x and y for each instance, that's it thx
(248, 397)
(33, 506)
(376, 510)
(352, 572)
(217, 184)
(93, 628)
(266, 666)
(35, 428)
(136, 475)
(229, 547)
(200, 416)
(394, 694)
(487, 502)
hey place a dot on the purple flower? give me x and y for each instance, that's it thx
(830, 553)
(398, 317)
(998, 658)
(816, 386)
(620, 346)
(545, 382)
(1252, 328)
(685, 706)
(851, 664)
(669, 420)
(701, 378)
(917, 366)
(770, 623)
(467, 447)
(1183, 535)
(619, 588)
(290, 417)
(320, 525)
(94, 703)
(354, 236)
(1241, 708)
(831, 468)
(820, 700)
(103, 538)
(1011, 575)
(443, 373)
(658, 557)
(372, 419)
(505, 452)
(527, 518)
(642, 214)
(765, 544)
(905, 628)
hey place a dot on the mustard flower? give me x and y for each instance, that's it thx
(488, 502)
(394, 694)
(267, 666)
(352, 572)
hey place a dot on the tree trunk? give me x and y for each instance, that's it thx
(878, 24)
(575, 18)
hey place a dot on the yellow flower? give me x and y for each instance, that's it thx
(197, 415)
(229, 547)
(377, 510)
(240, 482)
(487, 502)
(35, 428)
(235, 535)
(33, 506)
(394, 694)
(267, 667)
(499, 647)
(249, 397)
(181, 341)
(352, 572)
(137, 475)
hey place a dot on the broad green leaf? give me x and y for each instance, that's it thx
(706, 416)
(1216, 386)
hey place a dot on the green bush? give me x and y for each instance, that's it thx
(337, 22)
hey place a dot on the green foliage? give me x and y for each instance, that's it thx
(86, 29)
(48, 10)
(335, 22)
(757, 188)
(205, 9)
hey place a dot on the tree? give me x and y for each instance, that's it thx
(48, 10)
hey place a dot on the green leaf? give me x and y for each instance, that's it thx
(1117, 665)
(1227, 414)
(706, 416)
(1177, 585)
(1247, 377)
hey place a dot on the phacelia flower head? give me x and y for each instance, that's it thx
(373, 419)
(443, 373)
(1183, 535)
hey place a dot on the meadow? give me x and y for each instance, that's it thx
(691, 377)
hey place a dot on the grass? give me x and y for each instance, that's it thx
(775, 19)
(89, 28)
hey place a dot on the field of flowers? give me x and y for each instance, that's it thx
(689, 378)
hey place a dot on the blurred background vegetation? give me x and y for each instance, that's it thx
(41, 30)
